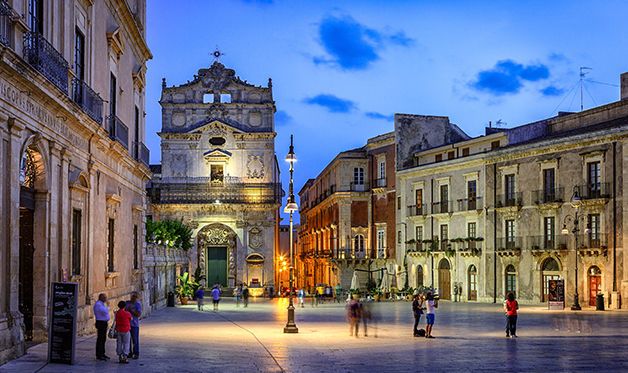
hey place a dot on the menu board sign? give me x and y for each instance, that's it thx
(556, 295)
(62, 329)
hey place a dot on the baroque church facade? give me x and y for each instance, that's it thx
(219, 175)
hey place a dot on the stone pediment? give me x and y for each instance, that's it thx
(217, 155)
(215, 127)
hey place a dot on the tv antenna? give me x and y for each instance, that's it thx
(583, 72)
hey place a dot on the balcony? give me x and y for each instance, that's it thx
(593, 191)
(417, 210)
(541, 244)
(118, 131)
(470, 204)
(87, 99)
(380, 183)
(509, 200)
(592, 241)
(6, 16)
(544, 196)
(471, 247)
(201, 191)
(508, 246)
(40, 54)
(141, 153)
(359, 187)
(442, 207)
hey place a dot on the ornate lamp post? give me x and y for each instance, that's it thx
(576, 202)
(290, 208)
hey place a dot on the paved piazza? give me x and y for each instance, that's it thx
(469, 337)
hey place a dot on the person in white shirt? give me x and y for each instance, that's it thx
(431, 305)
(101, 314)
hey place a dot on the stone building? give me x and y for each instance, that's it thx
(73, 164)
(348, 218)
(219, 174)
(496, 213)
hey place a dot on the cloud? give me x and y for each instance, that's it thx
(353, 46)
(376, 115)
(282, 118)
(552, 90)
(332, 103)
(508, 76)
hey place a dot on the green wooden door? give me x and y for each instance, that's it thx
(216, 266)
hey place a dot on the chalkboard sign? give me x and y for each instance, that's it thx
(62, 330)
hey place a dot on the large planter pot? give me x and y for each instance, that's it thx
(377, 297)
(183, 300)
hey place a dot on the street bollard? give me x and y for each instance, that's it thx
(599, 302)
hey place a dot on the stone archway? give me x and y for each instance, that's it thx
(216, 250)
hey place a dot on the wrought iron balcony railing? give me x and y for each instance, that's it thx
(508, 243)
(417, 210)
(6, 15)
(442, 207)
(509, 200)
(469, 204)
(380, 183)
(118, 130)
(210, 193)
(592, 241)
(87, 99)
(546, 243)
(594, 190)
(40, 54)
(141, 153)
(548, 195)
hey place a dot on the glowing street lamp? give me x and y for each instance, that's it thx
(576, 202)
(290, 208)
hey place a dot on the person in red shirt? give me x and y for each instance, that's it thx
(123, 327)
(510, 307)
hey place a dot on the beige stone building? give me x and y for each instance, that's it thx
(73, 164)
(496, 213)
(219, 175)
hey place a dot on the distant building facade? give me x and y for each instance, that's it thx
(347, 218)
(495, 214)
(220, 176)
(73, 164)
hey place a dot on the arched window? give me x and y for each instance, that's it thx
(550, 264)
(419, 276)
(472, 290)
(511, 280)
(550, 274)
(358, 246)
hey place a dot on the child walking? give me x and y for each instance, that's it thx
(123, 327)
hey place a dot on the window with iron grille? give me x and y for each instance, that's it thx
(76, 241)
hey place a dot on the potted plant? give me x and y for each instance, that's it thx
(185, 289)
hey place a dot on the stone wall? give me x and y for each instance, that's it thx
(162, 266)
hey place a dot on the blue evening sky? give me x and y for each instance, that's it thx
(341, 69)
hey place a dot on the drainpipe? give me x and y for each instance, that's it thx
(615, 217)
(494, 233)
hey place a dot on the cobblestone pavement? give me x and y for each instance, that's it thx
(469, 337)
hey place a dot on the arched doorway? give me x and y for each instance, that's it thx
(595, 283)
(419, 276)
(216, 246)
(472, 281)
(444, 279)
(550, 270)
(33, 237)
(511, 280)
(255, 270)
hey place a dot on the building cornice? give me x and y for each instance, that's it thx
(138, 40)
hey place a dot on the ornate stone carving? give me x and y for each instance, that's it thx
(217, 111)
(256, 238)
(178, 165)
(216, 77)
(255, 167)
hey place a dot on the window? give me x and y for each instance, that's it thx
(593, 179)
(358, 246)
(472, 192)
(76, 242)
(381, 173)
(208, 98)
(444, 198)
(419, 234)
(510, 231)
(79, 54)
(112, 95)
(216, 174)
(381, 243)
(451, 155)
(549, 193)
(110, 246)
(136, 249)
(398, 236)
(511, 279)
(398, 203)
(548, 232)
(494, 145)
(471, 230)
(36, 16)
(438, 158)
(358, 176)
(594, 227)
(418, 196)
(509, 188)
(444, 236)
(225, 98)
(465, 152)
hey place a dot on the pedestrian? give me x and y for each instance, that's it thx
(134, 306)
(101, 314)
(365, 315)
(431, 305)
(338, 293)
(245, 296)
(353, 315)
(510, 307)
(200, 297)
(215, 297)
(301, 296)
(123, 327)
(417, 311)
(237, 292)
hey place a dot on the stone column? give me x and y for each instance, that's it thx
(13, 233)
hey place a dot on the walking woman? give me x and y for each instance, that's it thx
(510, 307)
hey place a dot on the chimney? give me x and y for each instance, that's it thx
(624, 85)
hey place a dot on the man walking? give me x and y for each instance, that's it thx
(135, 308)
(200, 298)
(215, 297)
(245, 296)
(101, 314)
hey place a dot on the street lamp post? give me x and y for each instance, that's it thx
(290, 208)
(575, 202)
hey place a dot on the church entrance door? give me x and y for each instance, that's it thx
(217, 265)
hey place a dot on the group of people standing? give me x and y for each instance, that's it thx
(241, 294)
(360, 312)
(421, 304)
(125, 327)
